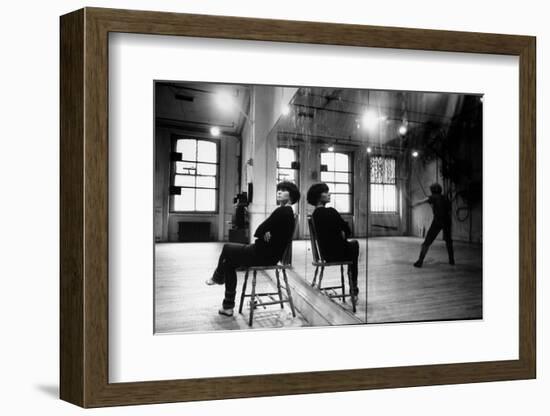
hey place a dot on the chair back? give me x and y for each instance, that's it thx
(313, 239)
(286, 258)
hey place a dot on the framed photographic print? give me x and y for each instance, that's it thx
(255, 207)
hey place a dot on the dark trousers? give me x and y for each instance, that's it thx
(433, 231)
(350, 254)
(232, 257)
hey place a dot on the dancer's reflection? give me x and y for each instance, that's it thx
(441, 208)
(272, 237)
(333, 232)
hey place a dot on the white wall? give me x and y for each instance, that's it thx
(29, 163)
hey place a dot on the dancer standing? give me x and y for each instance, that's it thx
(441, 208)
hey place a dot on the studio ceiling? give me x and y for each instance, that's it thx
(322, 114)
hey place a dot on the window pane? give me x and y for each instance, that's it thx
(340, 187)
(203, 169)
(327, 176)
(328, 159)
(382, 170)
(376, 197)
(341, 177)
(186, 168)
(185, 201)
(342, 203)
(330, 187)
(376, 168)
(341, 162)
(188, 147)
(390, 199)
(285, 157)
(383, 198)
(206, 151)
(184, 180)
(206, 181)
(286, 175)
(206, 200)
(389, 171)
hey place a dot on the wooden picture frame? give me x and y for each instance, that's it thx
(84, 207)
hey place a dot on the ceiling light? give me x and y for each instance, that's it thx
(215, 131)
(370, 119)
(414, 153)
(369, 149)
(402, 129)
(331, 148)
(224, 99)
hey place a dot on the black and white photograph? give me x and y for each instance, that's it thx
(307, 206)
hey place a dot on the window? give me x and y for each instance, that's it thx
(287, 165)
(196, 176)
(383, 191)
(336, 173)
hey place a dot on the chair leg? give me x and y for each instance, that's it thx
(321, 276)
(315, 276)
(342, 283)
(243, 291)
(353, 297)
(252, 299)
(279, 288)
(289, 294)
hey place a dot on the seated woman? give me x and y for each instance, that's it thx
(272, 237)
(333, 232)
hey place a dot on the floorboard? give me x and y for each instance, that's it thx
(397, 291)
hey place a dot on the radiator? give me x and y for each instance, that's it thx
(189, 231)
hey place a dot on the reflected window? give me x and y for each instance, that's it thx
(383, 189)
(336, 173)
(195, 176)
(287, 165)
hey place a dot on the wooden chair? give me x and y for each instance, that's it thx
(274, 297)
(338, 291)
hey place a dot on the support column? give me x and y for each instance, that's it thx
(261, 138)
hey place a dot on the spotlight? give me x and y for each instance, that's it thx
(414, 153)
(402, 130)
(370, 119)
(369, 149)
(224, 100)
(331, 148)
(285, 110)
(215, 131)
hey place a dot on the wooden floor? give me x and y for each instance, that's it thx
(183, 302)
(397, 291)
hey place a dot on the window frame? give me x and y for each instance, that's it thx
(396, 211)
(351, 193)
(296, 151)
(173, 174)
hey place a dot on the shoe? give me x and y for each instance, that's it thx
(418, 264)
(226, 312)
(214, 280)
